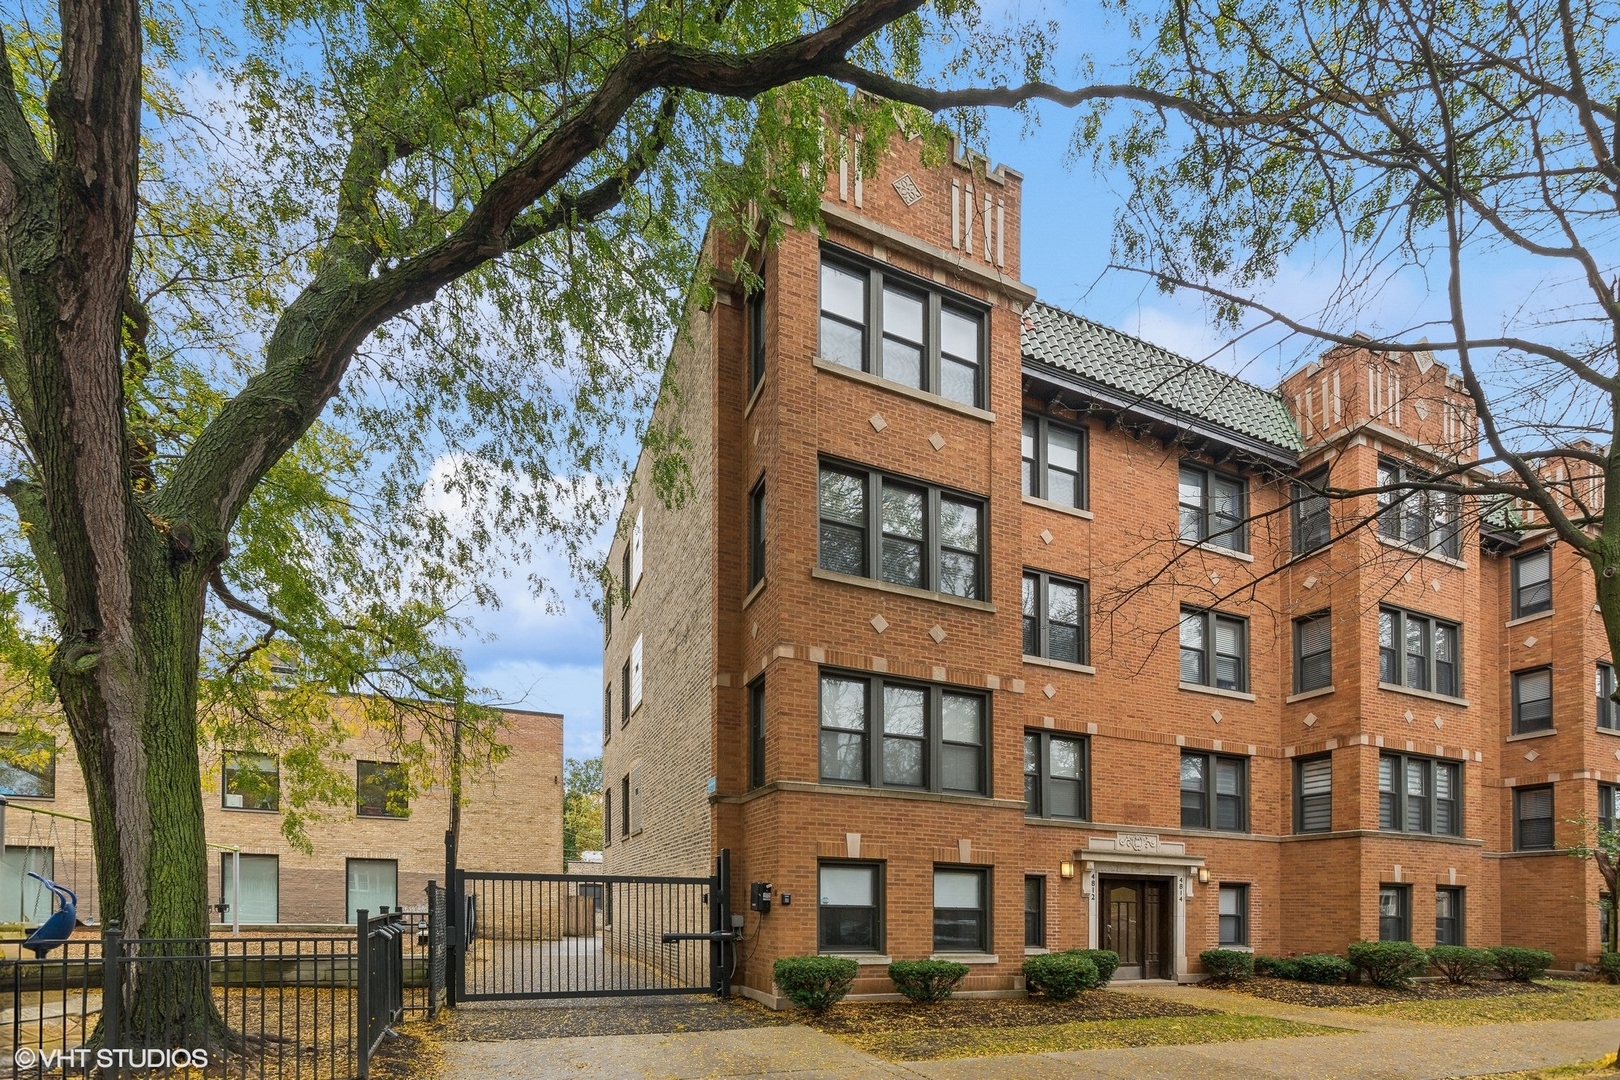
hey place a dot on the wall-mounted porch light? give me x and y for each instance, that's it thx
(1066, 869)
(1203, 875)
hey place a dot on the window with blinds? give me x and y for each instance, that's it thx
(1214, 650)
(1532, 700)
(1313, 780)
(1313, 653)
(1418, 652)
(1532, 583)
(1608, 716)
(1533, 818)
(1419, 794)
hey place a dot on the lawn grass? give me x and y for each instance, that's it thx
(921, 1045)
(1603, 1066)
(1566, 1000)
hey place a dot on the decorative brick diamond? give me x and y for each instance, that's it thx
(1046, 536)
(937, 441)
(1049, 690)
(907, 189)
(1421, 409)
(877, 422)
(1530, 642)
(1408, 716)
(1439, 723)
(1216, 716)
(879, 623)
(1531, 756)
(1406, 578)
(1310, 719)
(1310, 582)
(1435, 584)
(1214, 579)
(938, 634)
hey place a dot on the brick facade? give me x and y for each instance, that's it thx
(708, 635)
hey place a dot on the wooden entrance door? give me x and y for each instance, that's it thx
(1136, 925)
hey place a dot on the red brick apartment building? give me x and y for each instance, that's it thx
(989, 630)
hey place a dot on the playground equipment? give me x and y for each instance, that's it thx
(58, 928)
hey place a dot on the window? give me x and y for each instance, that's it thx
(896, 327)
(925, 538)
(624, 575)
(1418, 652)
(1448, 916)
(1607, 716)
(624, 694)
(1054, 462)
(22, 899)
(1532, 700)
(1532, 583)
(904, 735)
(635, 675)
(1234, 915)
(1313, 652)
(1533, 818)
(1313, 805)
(1034, 912)
(756, 337)
(1212, 508)
(252, 782)
(1419, 795)
(607, 614)
(1054, 617)
(1313, 517)
(1214, 650)
(624, 805)
(261, 889)
(607, 817)
(28, 766)
(635, 552)
(756, 534)
(756, 733)
(1394, 913)
(373, 885)
(1214, 793)
(849, 917)
(1606, 801)
(607, 713)
(1055, 776)
(961, 922)
(633, 803)
(381, 790)
(1418, 518)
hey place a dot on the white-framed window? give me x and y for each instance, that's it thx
(635, 552)
(635, 675)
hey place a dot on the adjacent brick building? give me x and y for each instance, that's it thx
(381, 851)
(987, 629)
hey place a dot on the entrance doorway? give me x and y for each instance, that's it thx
(1136, 925)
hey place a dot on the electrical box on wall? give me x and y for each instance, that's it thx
(759, 896)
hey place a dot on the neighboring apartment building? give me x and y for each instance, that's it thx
(382, 851)
(989, 630)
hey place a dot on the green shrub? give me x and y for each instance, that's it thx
(1059, 976)
(1227, 963)
(1321, 968)
(1609, 966)
(1278, 967)
(814, 982)
(1521, 965)
(1106, 960)
(1460, 964)
(1388, 963)
(926, 981)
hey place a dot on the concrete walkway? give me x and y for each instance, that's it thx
(1374, 1048)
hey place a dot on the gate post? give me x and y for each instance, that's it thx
(112, 991)
(452, 918)
(720, 924)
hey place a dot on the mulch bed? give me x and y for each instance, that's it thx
(568, 1018)
(1349, 995)
(873, 1017)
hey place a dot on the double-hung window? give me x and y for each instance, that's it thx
(756, 337)
(252, 782)
(1313, 652)
(887, 733)
(756, 534)
(607, 713)
(1421, 518)
(756, 733)
(1054, 617)
(1214, 650)
(1532, 583)
(1214, 792)
(1034, 912)
(1055, 776)
(1606, 806)
(1234, 915)
(1418, 652)
(624, 805)
(1212, 508)
(1394, 913)
(1054, 461)
(961, 910)
(900, 328)
(900, 531)
(1313, 802)
(1608, 716)
(1533, 818)
(849, 917)
(1313, 517)
(1419, 795)
(607, 817)
(1448, 915)
(1532, 700)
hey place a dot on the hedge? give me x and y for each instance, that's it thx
(1059, 976)
(1521, 965)
(1460, 964)
(1322, 968)
(1227, 963)
(1278, 967)
(926, 981)
(1388, 963)
(1106, 960)
(1609, 966)
(814, 982)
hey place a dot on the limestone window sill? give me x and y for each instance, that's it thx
(1423, 553)
(1306, 695)
(863, 959)
(1061, 665)
(753, 396)
(901, 590)
(1394, 688)
(1522, 619)
(1540, 733)
(1601, 731)
(1036, 950)
(967, 958)
(1200, 688)
(1216, 549)
(1074, 511)
(759, 587)
(903, 390)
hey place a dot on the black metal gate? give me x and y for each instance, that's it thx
(519, 936)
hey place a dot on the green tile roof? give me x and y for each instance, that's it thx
(1146, 375)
